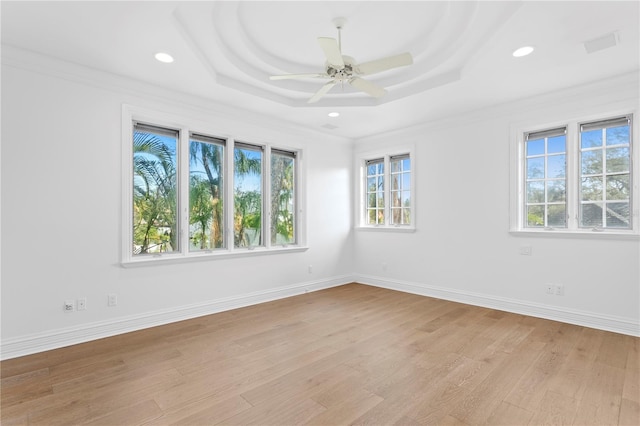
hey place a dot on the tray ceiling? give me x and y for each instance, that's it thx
(225, 51)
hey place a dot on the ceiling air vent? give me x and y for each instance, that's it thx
(329, 126)
(603, 42)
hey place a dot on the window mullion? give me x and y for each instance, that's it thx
(545, 182)
(573, 178)
(228, 184)
(603, 223)
(299, 205)
(387, 190)
(183, 194)
(266, 197)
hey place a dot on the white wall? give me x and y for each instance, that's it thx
(462, 249)
(61, 212)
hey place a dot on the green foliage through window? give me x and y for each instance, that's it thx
(605, 174)
(247, 223)
(154, 190)
(162, 224)
(282, 198)
(206, 208)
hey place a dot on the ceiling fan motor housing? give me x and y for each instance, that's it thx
(343, 74)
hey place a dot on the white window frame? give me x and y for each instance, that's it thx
(517, 225)
(186, 126)
(360, 167)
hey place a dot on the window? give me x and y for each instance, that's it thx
(605, 174)
(546, 178)
(375, 192)
(387, 192)
(206, 186)
(192, 194)
(247, 195)
(283, 199)
(400, 190)
(577, 178)
(155, 201)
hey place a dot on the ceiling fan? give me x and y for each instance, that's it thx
(341, 68)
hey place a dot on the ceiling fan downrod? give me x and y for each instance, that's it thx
(339, 24)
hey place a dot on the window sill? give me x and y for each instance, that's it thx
(170, 258)
(405, 229)
(585, 234)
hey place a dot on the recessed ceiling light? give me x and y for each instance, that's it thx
(523, 51)
(164, 57)
(334, 114)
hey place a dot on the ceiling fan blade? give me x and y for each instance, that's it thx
(320, 93)
(367, 87)
(292, 76)
(331, 51)
(384, 64)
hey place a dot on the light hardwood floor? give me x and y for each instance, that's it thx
(349, 355)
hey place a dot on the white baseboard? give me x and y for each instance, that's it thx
(26, 345)
(620, 325)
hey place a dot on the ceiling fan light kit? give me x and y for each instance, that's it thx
(342, 69)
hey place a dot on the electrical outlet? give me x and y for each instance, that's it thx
(311, 269)
(82, 303)
(560, 290)
(550, 288)
(112, 299)
(69, 306)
